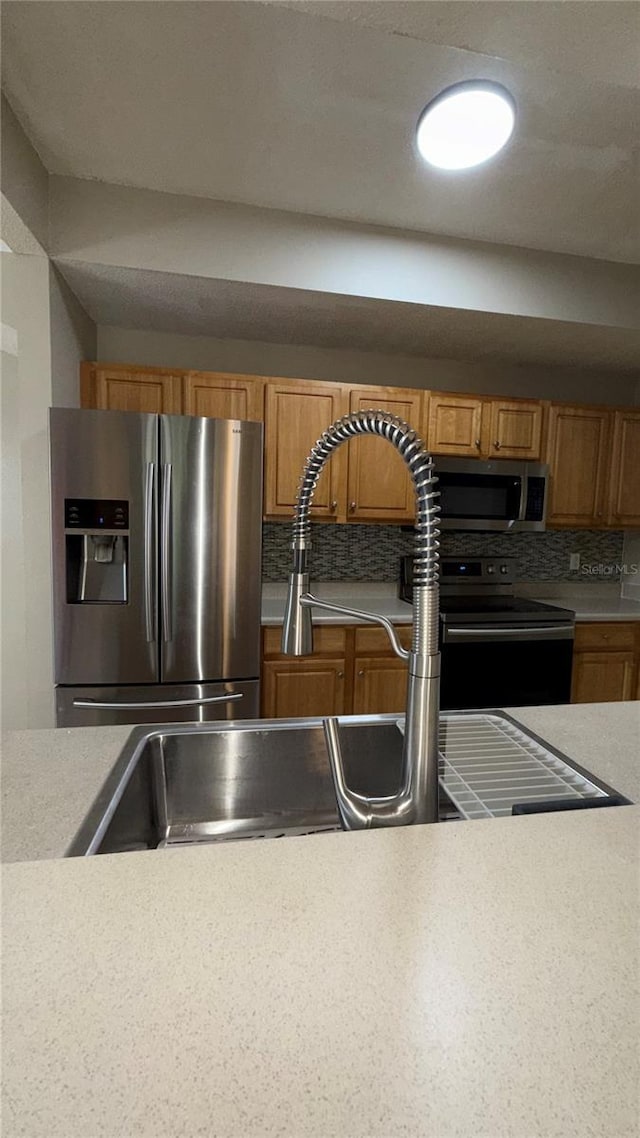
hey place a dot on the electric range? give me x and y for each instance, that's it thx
(498, 650)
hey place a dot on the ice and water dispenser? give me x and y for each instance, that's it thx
(97, 551)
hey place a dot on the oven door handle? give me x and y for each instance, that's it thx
(489, 633)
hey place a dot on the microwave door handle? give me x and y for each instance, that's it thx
(142, 705)
(523, 497)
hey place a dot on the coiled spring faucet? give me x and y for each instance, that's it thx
(417, 797)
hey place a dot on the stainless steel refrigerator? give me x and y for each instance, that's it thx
(156, 530)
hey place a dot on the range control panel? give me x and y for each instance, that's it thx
(95, 514)
(477, 571)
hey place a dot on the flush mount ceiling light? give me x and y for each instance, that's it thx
(465, 125)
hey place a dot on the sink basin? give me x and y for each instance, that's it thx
(194, 783)
(205, 782)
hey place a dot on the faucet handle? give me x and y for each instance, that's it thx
(307, 600)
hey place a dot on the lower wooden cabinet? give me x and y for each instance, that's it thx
(353, 671)
(303, 687)
(379, 686)
(308, 685)
(606, 662)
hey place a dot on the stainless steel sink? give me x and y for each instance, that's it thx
(188, 783)
(205, 782)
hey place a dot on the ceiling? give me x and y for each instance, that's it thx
(311, 107)
(599, 41)
(200, 306)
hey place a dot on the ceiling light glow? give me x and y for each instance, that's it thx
(465, 125)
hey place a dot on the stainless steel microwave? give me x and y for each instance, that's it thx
(499, 495)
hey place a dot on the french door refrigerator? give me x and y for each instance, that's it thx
(156, 528)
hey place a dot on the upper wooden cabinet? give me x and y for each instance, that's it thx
(220, 395)
(624, 482)
(363, 480)
(577, 453)
(514, 428)
(296, 414)
(454, 424)
(593, 452)
(379, 486)
(135, 389)
(473, 426)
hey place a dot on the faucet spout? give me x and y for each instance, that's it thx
(417, 797)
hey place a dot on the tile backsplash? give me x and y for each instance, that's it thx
(631, 566)
(371, 553)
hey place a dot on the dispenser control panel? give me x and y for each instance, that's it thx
(95, 514)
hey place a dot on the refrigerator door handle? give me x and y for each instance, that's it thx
(149, 552)
(142, 705)
(165, 555)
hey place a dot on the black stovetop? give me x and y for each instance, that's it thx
(489, 610)
(494, 609)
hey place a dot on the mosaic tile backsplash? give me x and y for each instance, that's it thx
(371, 553)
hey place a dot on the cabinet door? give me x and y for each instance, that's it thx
(296, 414)
(602, 677)
(219, 395)
(624, 505)
(577, 453)
(379, 486)
(380, 685)
(130, 389)
(515, 429)
(454, 424)
(303, 687)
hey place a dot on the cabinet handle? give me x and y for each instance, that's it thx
(497, 444)
(340, 675)
(352, 507)
(334, 507)
(361, 672)
(477, 443)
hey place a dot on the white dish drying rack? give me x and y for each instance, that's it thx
(488, 764)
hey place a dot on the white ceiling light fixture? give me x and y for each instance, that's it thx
(466, 124)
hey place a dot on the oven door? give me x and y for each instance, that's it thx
(505, 665)
(475, 499)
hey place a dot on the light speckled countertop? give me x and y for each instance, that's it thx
(454, 980)
(589, 602)
(49, 779)
(436, 981)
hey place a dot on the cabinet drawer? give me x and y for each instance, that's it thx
(593, 637)
(326, 638)
(370, 640)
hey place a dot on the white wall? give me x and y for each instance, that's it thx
(27, 632)
(73, 338)
(115, 225)
(25, 182)
(161, 349)
(13, 657)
